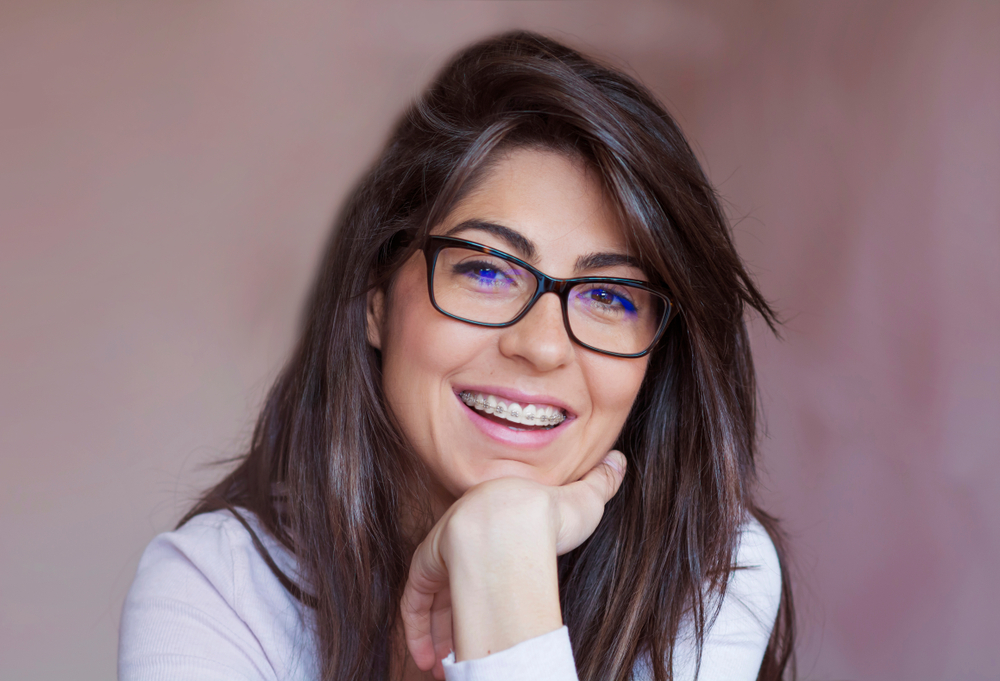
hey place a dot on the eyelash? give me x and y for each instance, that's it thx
(626, 302)
(475, 266)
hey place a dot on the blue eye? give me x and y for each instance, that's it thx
(486, 273)
(483, 273)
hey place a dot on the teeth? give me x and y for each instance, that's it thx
(529, 415)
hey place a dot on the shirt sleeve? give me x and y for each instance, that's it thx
(548, 657)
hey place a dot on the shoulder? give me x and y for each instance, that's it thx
(755, 583)
(221, 547)
(204, 599)
(738, 634)
(216, 548)
(204, 545)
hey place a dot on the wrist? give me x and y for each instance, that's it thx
(502, 599)
(503, 574)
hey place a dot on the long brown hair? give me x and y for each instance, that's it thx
(329, 475)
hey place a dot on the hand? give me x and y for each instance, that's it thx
(494, 550)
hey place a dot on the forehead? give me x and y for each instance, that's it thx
(553, 200)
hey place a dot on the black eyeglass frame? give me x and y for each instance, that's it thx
(546, 284)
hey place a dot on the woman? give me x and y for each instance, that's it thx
(454, 463)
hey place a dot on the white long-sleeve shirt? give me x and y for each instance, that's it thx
(205, 606)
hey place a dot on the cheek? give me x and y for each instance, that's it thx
(421, 349)
(422, 344)
(614, 386)
(409, 345)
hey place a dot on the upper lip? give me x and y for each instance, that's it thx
(512, 395)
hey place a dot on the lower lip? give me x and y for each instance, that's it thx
(525, 439)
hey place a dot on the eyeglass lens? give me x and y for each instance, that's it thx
(487, 289)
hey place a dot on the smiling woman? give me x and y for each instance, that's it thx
(552, 210)
(457, 474)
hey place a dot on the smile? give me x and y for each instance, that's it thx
(543, 415)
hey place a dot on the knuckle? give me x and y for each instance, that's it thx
(501, 505)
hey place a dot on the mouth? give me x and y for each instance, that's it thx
(515, 416)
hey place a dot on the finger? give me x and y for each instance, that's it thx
(427, 577)
(415, 608)
(581, 503)
(441, 624)
(605, 478)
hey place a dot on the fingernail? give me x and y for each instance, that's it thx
(617, 461)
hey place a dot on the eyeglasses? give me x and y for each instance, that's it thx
(480, 285)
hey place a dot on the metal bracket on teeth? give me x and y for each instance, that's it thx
(499, 410)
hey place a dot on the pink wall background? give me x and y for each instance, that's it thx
(168, 172)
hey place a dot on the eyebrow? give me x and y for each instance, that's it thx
(595, 261)
(526, 248)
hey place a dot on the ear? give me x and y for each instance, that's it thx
(376, 311)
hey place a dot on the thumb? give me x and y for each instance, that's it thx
(605, 478)
(582, 502)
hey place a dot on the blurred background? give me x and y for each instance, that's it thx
(168, 173)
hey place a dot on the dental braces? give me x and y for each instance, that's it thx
(516, 413)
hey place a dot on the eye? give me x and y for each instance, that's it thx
(480, 269)
(605, 296)
(484, 272)
(602, 296)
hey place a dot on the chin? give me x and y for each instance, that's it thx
(511, 468)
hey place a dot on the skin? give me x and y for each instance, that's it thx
(505, 511)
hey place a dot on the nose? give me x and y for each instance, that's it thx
(540, 338)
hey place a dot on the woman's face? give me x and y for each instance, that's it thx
(556, 205)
